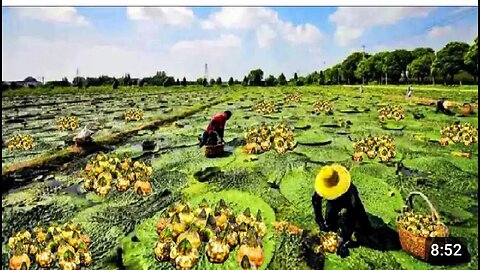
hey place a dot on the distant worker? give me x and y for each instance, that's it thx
(215, 130)
(409, 91)
(361, 88)
(443, 106)
(333, 184)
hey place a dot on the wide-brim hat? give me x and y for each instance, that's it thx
(332, 181)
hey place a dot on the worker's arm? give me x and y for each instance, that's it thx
(317, 207)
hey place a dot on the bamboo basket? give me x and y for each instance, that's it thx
(466, 109)
(212, 151)
(414, 244)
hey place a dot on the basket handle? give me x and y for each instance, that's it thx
(409, 205)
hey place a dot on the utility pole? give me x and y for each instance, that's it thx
(363, 70)
(206, 73)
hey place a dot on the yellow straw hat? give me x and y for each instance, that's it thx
(332, 181)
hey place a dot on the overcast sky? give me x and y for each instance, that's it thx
(54, 42)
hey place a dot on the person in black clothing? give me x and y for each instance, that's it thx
(333, 184)
(442, 106)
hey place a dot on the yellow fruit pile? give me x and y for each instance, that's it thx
(19, 141)
(266, 137)
(102, 170)
(284, 226)
(293, 98)
(465, 133)
(133, 115)
(68, 123)
(65, 245)
(265, 108)
(383, 147)
(329, 242)
(391, 112)
(182, 230)
(421, 225)
(322, 106)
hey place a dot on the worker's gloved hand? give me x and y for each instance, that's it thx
(323, 226)
(342, 250)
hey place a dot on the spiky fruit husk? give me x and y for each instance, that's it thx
(18, 260)
(217, 250)
(162, 250)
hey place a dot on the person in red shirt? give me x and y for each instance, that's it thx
(215, 130)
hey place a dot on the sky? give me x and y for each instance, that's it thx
(55, 42)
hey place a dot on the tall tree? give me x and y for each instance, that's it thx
(184, 81)
(282, 80)
(295, 77)
(349, 65)
(450, 60)
(421, 67)
(270, 81)
(245, 81)
(230, 81)
(212, 81)
(219, 81)
(321, 78)
(421, 51)
(471, 60)
(255, 77)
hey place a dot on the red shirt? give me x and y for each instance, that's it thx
(217, 123)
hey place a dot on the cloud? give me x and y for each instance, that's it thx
(449, 33)
(201, 46)
(175, 16)
(59, 15)
(265, 36)
(352, 22)
(440, 31)
(266, 21)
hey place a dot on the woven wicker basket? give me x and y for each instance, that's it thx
(466, 109)
(213, 150)
(414, 244)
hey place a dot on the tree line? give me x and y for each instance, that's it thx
(421, 65)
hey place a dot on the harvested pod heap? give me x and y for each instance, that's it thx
(182, 230)
(383, 147)
(266, 137)
(103, 170)
(20, 142)
(421, 225)
(322, 106)
(390, 112)
(133, 115)
(293, 98)
(68, 123)
(326, 242)
(63, 245)
(456, 133)
(265, 108)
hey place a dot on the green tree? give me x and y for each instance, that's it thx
(420, 67)
(169, 81)
(349, 66)
(78, 82)
(255, 77)
(450, 60)
(204, 82)
(245, 81)
(184, 81)
(295, 77)
(300, 81)
(200, 81)
(282, 80)
(230, 81)
(471, 60)
(321, 78)
(115, 84)
(270, 81)
(212, 81)
(219, 81)
(421, 51)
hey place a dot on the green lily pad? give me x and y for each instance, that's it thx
(313, 138)
(392, 126)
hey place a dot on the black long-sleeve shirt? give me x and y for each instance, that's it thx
(350, 200)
